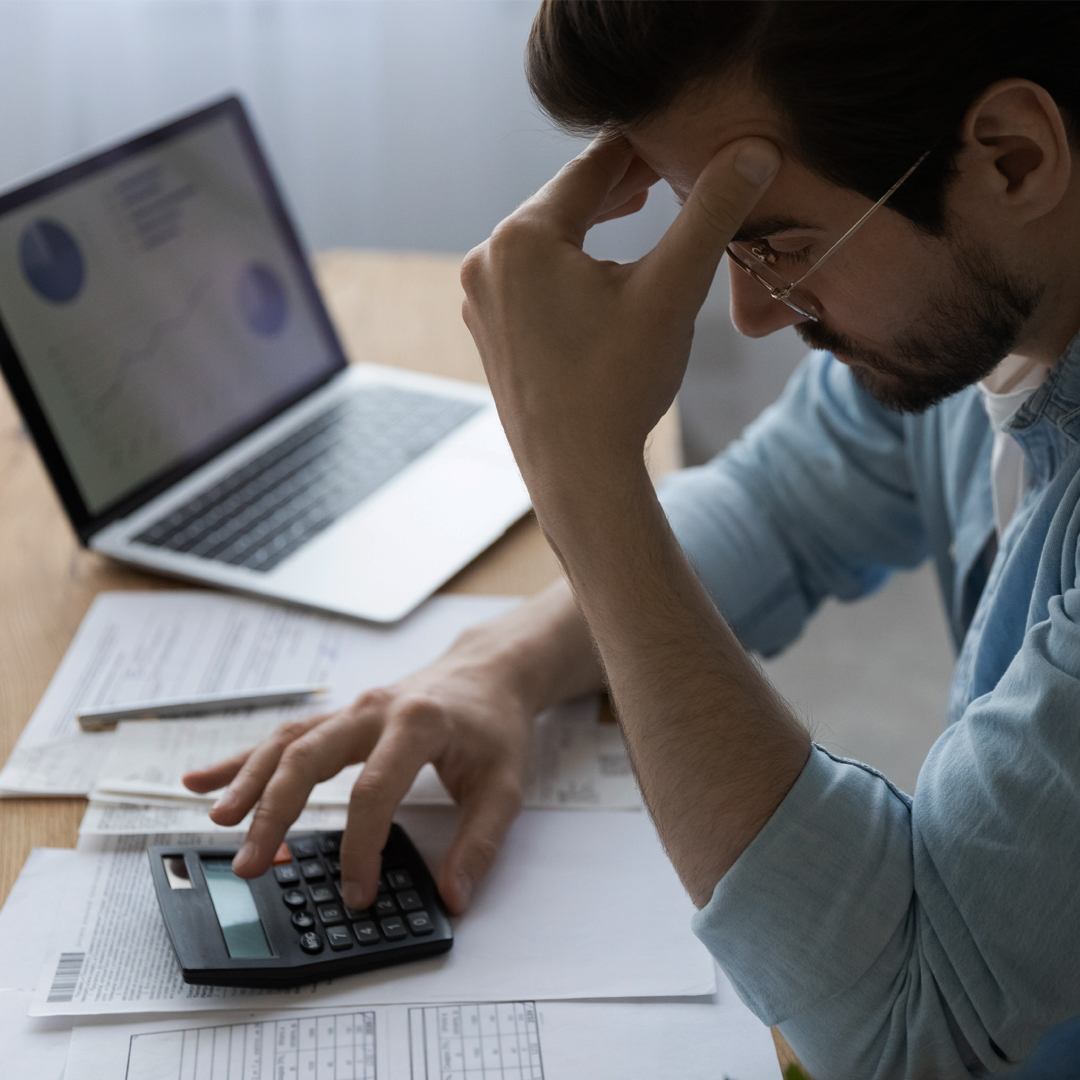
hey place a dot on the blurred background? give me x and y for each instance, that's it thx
(408, 125)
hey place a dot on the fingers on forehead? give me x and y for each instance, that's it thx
(689, 252)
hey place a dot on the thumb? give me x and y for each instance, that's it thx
(487, 814)
(684, 262)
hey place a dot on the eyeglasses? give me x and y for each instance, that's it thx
(756, 259)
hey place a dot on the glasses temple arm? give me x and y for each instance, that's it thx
(858, 224)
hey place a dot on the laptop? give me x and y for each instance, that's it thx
(164, 339)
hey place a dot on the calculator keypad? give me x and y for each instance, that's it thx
(393, 928)
(311, 933)
(311, 942)
(367, 933)
(330, 914)
(339, 938)
(343, 925)
(323, 894)
(420, 923)
(409, 900)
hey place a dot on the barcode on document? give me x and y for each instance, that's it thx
(66, 978)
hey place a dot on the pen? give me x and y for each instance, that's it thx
(106, 716)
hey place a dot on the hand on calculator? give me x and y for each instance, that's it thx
(464, 713)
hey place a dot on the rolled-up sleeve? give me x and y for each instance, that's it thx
(814, 500)
(893, 938)
(937, 936)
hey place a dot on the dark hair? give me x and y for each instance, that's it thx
(864, 88)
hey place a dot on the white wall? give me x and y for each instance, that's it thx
(400, 124)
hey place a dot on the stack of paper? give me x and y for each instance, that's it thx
(140, 646)
(575, 959)
(569, 914)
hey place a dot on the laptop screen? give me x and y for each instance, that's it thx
(158, 304)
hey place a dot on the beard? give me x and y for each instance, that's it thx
(961, 337)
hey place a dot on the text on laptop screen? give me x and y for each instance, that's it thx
(156, 308)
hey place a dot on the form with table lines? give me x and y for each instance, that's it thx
(475, 1041)
(492, 1041)
(337, 1046)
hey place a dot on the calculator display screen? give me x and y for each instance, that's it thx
(236, 912)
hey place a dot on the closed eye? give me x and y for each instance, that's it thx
(780, 255)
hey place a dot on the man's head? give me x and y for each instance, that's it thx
(976, 255)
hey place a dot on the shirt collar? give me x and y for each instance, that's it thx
(1057, 400)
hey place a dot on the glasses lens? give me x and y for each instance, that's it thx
(748, 259)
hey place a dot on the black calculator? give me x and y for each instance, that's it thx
(290, 926)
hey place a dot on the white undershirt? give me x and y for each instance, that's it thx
(1014, 380)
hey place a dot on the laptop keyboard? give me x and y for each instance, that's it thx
(263, 512)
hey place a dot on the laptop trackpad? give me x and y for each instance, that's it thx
(399, 545)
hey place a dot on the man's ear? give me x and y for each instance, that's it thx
(1016, 149)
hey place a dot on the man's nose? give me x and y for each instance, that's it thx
(753, 310)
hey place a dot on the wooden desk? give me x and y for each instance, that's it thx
(403, 310)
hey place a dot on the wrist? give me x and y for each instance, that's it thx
(537, 655)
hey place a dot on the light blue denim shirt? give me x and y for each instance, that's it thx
(889, 936)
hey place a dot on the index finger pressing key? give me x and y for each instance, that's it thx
(281, 773)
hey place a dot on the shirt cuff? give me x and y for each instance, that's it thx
(816, 897)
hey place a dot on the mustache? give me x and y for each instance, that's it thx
(818, 335)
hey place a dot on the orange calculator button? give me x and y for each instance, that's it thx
(283, 855)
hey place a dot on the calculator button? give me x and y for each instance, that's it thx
(385, 905)
(304, 847)
(331, 913)
(323, 894)
(302, 920)
(393, 928)
(330, 844)
(334, 867)
(399, 879)
(420, 923)
(383, 887)
(282, 856)
(339, 938)
(311, 942)
(367, 933)
(410, 900)
(294, 898)
(312, 870)
(355, 914)
(287, 875)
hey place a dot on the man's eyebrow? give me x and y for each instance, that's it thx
(758, 230)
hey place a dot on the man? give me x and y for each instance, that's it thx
(887, 936)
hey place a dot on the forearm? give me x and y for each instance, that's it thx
(714, 747)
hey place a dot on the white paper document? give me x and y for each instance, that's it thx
(576, 762)
(140, 646)
(138, 818)
(34, 1048)
(578, 905)
(508, 1040)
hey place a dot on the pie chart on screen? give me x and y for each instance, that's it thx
(261, 298)
(51, 261)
